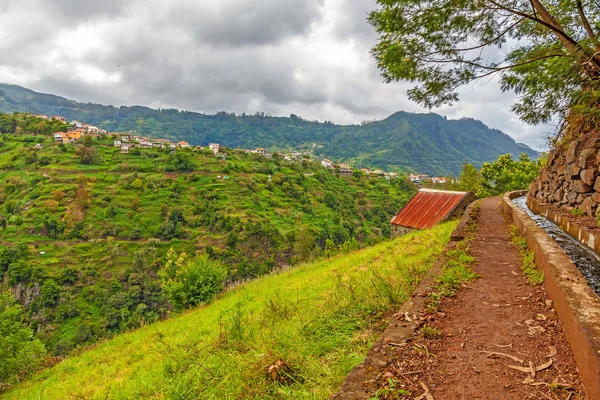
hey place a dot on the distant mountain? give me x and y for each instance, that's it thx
(424, 143)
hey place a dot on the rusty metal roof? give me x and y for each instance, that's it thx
(427, 208)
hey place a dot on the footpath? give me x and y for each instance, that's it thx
(497, 338)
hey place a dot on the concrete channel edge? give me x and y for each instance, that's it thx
(576, 304)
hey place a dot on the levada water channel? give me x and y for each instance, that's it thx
(584, 258)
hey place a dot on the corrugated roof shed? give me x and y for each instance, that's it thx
(429, 207)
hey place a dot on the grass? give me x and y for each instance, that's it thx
(532, 273)
(456, 270)
(312, 324)
(431, 333)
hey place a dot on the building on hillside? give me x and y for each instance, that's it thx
(59, 137)
(42, 116)
(39, 146)
(424, 178)
(414, 178)
(327, 163)
(59, 118)
(214, 147)
(72, 137)
(261, 151)
(77, 124)
(125, 148)
(429, 207)
(439, 180)
(125, 138)
(145, 144)
(183, 145)
(117, 143)
(344, 170)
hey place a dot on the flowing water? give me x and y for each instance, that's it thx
(584, 258)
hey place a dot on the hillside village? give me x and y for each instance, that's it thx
(127, 141)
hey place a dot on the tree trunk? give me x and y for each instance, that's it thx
(589, 62)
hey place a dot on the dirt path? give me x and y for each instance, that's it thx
(498, 312)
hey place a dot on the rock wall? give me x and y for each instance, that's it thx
(571, 178)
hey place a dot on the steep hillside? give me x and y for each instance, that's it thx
(317, 320)
(84, 229)
(424, 143)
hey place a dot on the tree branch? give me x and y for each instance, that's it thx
(488, 67)
(586, 25)
(480, 45)
(568, 41)
(550, 22)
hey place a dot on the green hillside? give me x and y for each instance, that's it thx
(319, 319)
(423, 143)
(84, 230)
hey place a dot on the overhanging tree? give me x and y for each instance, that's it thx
(552, 59)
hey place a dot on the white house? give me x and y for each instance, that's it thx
(327, 163)
(414, 178)
(117, 143)
(214, 147)
(59, 137)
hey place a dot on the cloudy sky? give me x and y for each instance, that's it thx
(307, 57)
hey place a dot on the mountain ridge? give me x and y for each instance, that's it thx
(424, 143)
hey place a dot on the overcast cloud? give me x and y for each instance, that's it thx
(307, 57)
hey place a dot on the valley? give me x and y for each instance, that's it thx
(86, 229)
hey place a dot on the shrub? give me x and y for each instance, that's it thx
(189, 283)
(137, 184)
(50, 293)
(20, 353)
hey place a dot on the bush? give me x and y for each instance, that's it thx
(20, 353)
(137, 184)
(50, 293)
(189, 283)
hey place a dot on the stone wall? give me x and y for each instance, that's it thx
(571, 178)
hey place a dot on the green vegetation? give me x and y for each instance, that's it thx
(422, 143)
(431, 333)
(577, 211)
(20, 353)
(392, 391)
(500, 176)
(552, 62)
(292, 335)
(456, 270)
(533, 274)
(84, 244)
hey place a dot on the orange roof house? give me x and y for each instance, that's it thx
(73, 136)
(430, 207)
(183, 144)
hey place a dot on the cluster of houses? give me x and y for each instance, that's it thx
(418, 179)
(75, 132)
(346, 170)
(125, 142)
